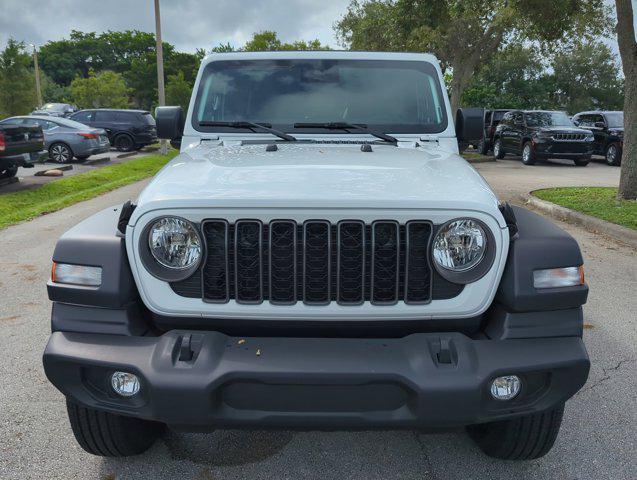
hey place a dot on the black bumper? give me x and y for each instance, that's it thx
(422, 380)
(563, 150)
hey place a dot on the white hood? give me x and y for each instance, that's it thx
(318, 176)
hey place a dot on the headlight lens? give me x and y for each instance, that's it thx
(174, 243)
(460, 245)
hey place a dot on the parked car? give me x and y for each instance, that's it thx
(20, 146)
(542, 134)
(127, 129)
(608, 130)
(492, 119)
(65, 138)
(55, 109)
(308, 262)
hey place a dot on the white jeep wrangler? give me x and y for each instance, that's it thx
(317, 256)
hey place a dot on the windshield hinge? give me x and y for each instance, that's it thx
(429, 138)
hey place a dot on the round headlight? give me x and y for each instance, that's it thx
(460, 245)
(174, 243)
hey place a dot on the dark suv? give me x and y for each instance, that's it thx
(608, 129)
(492, 119)
(541, 134)
(126, 129)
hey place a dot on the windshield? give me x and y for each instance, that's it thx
(548, 119)
(56, 107)
(389, 96)
(615, 119)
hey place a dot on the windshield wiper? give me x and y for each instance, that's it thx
(348, 126)
(266, 127)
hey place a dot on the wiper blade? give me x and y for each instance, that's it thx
(348, 126)
(266, 127)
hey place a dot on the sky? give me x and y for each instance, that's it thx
(187, 24)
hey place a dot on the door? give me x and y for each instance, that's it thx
(517, 131)
(599, 132)
(106, 119)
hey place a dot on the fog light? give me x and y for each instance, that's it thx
(125, 384)
(505, 388)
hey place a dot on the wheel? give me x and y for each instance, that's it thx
(9, 172)
(523, 438)
(483, 147)
(497, 149)
(124, 143)
(613, 155)
(581, 162)
(60, 153)
(110, 435)
(528, 155)
(82, 157)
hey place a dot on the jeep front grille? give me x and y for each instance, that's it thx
(317, 263)
(569, 137)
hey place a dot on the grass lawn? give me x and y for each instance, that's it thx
(600, 202)
(19, 206)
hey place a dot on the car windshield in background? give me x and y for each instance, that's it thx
(548, 119)
(388, 96)
(54, 107)
(615, 119)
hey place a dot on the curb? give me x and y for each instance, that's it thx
(96, 161)
(126, 155)
(481, 160)
(617, 232)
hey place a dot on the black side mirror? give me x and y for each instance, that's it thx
(469, 126)
(600, 125)
(170, 122)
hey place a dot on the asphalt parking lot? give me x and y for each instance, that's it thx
(597, 440)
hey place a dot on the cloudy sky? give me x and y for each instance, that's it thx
(188, 24)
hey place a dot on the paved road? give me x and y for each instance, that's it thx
(597, 440)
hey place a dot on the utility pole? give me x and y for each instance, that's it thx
(36, 66)
(160, 68)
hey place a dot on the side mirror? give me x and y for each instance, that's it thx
(600, 125)
(469, 126)
(170, 123)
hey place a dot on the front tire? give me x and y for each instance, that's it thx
(497, 149)
(60, 153)
(613, 155)
(524, 438)
(110, 435)
(528, 155)
(483, 147)
(9, 172)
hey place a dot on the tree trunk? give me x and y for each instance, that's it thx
(628, 52)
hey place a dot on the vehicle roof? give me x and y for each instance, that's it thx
(322, 54)
(599, 111)
(111, 110)
(537, 111)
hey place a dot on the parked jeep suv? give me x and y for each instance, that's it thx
(318, 256)
(608, 130)
(127, 129)
(538, 134)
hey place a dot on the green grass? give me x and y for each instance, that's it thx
(600, 202)
(24, 205)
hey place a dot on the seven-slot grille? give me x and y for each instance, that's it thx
(569, 136)
(316, 262)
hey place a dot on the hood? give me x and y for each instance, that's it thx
(317, 176)
(560, 129)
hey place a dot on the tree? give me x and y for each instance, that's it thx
(17, 82)
(586, 77)
(178, 91)
(268, 40)
(464, 34)
(628, 53)
(104, 90)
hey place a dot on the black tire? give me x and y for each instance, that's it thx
(497, 149)
(523, 438)
(581, 162)
(82, 157)
(9, 172)
(110, 435)
(613, 154)
(483, 147)
(60, 152)
(528, 155)
(124, 143)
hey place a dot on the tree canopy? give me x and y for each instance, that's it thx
(17, 81)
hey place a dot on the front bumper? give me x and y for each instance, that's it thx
(566, 150)
(422, 380)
